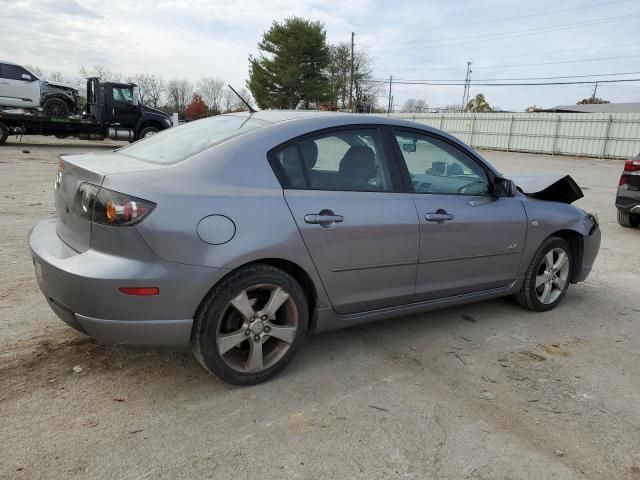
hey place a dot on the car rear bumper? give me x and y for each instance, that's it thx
(628, 201)
(83, 290)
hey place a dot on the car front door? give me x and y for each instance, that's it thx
(124, 108)
(360, 229)
(470, 240)
(18, 87)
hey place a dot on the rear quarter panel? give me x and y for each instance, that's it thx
(238, 184)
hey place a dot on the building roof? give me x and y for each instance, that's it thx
(630, 107)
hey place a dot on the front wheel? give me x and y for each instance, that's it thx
(250, 325)
(547, 279)
(55, 107)
(148, 131)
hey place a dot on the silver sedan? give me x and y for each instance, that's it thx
(239, 234)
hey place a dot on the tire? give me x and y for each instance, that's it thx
(628, 220)
(225, 341)
(55, 107)
(148, 131)
(550, 292)
(4, 133)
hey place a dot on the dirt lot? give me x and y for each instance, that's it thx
(483, 391)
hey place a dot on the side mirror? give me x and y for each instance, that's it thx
(26, 76)
(503, 187)
(409, 147)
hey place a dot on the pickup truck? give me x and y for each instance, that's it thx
(21, 88)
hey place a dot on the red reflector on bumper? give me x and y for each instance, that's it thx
(140, 290)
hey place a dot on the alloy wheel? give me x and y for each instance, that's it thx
(257, 328)
(552, 275)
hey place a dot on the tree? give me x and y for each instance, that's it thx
(339, 72)
(57, 77)
(291, 68)
(179, 93)
(197, 108)
(478, 104)
(592, 101)
(98, 71)
(150, 88)
(37, 70)
(339, 78)
(212, 91)
(415, 106)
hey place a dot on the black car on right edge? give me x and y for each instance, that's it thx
(628, 197)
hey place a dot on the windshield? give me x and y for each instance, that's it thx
(176, 144)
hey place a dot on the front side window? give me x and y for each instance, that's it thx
(350, 160)
(176, 144)
(122, 94)
(437, 167)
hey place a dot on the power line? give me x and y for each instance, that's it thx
(520, 33)
(537, 54)
(506, 84)
(504, 19)
(531, 64)
(518, 78)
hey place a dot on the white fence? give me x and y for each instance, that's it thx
(601, 135)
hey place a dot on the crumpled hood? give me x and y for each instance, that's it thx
(555, 188)
(60, 85)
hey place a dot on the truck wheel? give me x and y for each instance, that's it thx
(628, 220)
(148, 131)
(54, 107)
(4, 133)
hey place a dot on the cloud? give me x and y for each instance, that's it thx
(407, 39)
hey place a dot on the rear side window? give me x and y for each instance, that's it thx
(348, 160)
(176, 144)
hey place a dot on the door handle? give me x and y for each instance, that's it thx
(323, 219)
(4, 83)
(439, 216)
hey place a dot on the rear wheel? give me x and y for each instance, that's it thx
(55, 107)
(629, 220)
(547, 279)
(250, 325)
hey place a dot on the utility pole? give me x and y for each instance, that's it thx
(390, 97)
(595, 89)
(467, 86)
(351, 82)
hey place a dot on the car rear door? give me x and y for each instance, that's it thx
(360, 229)
(16, 91)
(470, 240)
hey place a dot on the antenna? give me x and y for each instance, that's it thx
(251, 109)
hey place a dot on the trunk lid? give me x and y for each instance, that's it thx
(91, 168)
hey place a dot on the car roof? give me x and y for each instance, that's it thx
(334, 118)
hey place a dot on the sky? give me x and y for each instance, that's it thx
(411, 40)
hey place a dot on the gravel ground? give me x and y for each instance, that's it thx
(482, 391)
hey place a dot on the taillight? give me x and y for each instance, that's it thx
(632, 165)
(106, 207)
